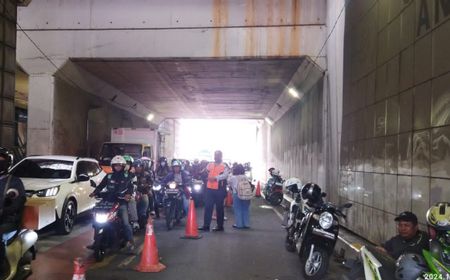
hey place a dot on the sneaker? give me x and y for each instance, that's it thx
(236, 227)
(203, 228)
(130, 247)
(135, 226)
(217, 229)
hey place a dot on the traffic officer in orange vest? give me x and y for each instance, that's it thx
(215, 192)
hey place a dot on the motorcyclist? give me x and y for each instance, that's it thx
(163, 169)
(438, 219)
(12, 201)
(132, 205)
(181, 178)
(118, 184)
(144, 182)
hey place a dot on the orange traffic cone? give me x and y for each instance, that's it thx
(79, 269)
(191, 223)
(229, 200)
(149, 258)
(258, 190)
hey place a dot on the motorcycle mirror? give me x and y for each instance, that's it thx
(83, 178)
(324, 194)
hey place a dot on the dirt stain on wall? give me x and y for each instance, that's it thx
(219, 19)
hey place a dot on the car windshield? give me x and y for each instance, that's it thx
(43, 169)
(113, 149)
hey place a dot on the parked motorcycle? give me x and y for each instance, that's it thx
(20, 251)
(173, 204)
(108, 229)
(314, 233)
(273, 192)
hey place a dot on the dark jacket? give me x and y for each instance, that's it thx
(117, 184)
(144, 182)
(185, 177)
(397, 246)
(11, 209)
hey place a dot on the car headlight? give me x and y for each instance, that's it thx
(197, 187)
(157, 188)
(326, 220)
(172, 185)
(101, 218)
(48, 192)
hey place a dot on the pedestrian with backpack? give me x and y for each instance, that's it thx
(242, 194)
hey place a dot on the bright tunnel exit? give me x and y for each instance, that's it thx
(199, 138)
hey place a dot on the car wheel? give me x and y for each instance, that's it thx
(66, 221)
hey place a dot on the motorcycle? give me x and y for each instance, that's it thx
(313, 234)
(158, 195)
(108, 229)
(273, 192)
(20, 250)
(173, 204)
(197, 192)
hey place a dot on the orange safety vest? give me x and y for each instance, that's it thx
(214, 171)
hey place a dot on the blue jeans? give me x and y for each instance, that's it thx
(241, 211)
(185, 204)
(123, 214)
(142, 205)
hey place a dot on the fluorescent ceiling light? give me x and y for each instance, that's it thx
(269, 120)
(294, 92)
(150, 117)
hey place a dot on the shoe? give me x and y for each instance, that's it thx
(236, 227)
(245, 227)
(203, 228)
(217, 229)
(135, 226)
(130, 247)
(90, 247)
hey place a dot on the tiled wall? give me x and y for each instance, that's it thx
(395, 151)
(8, 12)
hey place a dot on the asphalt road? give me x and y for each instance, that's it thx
(257, 253)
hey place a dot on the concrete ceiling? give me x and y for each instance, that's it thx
(199, 88)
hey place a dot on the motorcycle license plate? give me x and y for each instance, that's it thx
(171, 191)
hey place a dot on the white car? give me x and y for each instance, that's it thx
(64, 179)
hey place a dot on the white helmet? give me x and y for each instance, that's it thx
(292, 184)
(276, 172)
(118, 160)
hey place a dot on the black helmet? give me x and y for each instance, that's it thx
(4, 153)
(139, 163)
(311, 192)
(410, 266)
(162, 159)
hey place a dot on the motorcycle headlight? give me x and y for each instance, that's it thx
(48, 192)
(172, 185)
(197, 187)
(190, 189)
(157, 188)
(326, 220)
(101, 218)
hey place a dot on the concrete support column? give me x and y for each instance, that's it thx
(40, 114)
(8, 12)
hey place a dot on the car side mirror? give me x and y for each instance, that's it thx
(83, 178)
